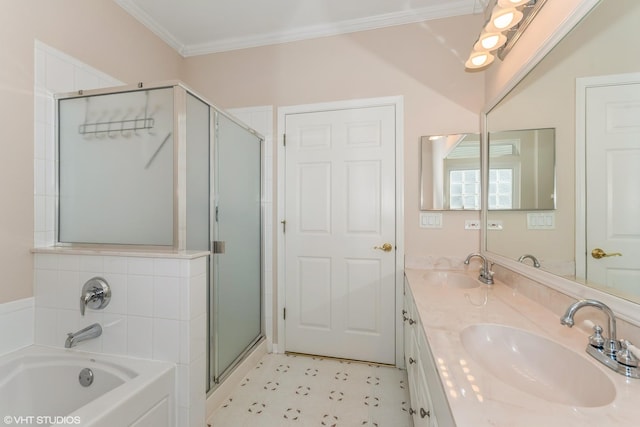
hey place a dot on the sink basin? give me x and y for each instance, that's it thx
(537, 365)
(451, 279)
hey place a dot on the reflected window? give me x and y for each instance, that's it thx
(500, 188)
(464, 189)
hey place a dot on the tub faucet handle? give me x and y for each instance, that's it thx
(96, 294)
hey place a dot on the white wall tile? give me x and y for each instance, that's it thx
(166, 297)
(115, 264)
(45, 289)
(198, 296)
(119, 293)
(114, 334)
(93, 264)
(59, 74)
(140, 295)
(140, 266)
(140, 337)
(69, 262)
(68, 290)
(166, 267)
(46, 261)
(166, 340)
(46, 328)
(16, 324)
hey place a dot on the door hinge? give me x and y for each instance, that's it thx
(284, 313)
(284, 225)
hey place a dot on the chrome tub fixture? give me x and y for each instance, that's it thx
(96, 294)
(91, 331)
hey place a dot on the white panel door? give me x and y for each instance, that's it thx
(613, 185)
(340, 204)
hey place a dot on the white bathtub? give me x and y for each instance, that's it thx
(39, 386)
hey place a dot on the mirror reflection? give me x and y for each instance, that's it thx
(450, 172)
(588, 89)
(522, 169)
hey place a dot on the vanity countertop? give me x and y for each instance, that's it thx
(475, 396)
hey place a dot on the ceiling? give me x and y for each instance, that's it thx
(197, 27)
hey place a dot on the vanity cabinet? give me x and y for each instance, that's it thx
(429, 406)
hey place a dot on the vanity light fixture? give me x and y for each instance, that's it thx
(507, 21)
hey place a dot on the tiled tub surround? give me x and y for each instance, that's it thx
(157, 311)
(475, 396)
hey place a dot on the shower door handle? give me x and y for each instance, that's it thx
(218, 246)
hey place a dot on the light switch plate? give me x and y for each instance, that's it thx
(541, 220)
(430, 220)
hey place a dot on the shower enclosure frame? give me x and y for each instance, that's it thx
(179, 244)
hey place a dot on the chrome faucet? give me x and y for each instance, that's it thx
(536, 264)
(486, 275)
(91, 331)
(607, 350)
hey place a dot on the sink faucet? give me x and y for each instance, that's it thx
(567, 320)
(486, 275)
(536, 264)
(607, 350)
(91, 331)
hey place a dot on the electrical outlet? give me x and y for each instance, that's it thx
(494, 224)
(472, 224)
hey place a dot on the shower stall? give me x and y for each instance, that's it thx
(158, 168)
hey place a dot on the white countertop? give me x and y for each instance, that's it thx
(475, 396)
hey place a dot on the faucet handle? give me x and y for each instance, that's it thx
(597, 340)
(625, 356)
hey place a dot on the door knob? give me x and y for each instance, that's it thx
(386, 247)
(598, 253)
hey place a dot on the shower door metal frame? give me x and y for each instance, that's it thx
(214, 376)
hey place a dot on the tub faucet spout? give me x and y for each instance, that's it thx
(91, 331)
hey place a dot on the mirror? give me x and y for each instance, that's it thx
(522, 170)
(568, 91)
(450, 172)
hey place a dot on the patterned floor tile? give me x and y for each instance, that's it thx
(300, 391)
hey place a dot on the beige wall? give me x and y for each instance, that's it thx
(422, 62)
(97, 32)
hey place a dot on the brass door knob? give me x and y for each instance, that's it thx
(598, 253)
(386, 247)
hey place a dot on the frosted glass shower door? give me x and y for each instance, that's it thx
(237, 317)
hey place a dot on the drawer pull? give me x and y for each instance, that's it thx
(424, 413)
(412, 360)
(411, 321)
(411, 411)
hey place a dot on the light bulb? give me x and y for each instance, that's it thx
(479, 60)
(490, 41)
(503, 19)
(512, 3)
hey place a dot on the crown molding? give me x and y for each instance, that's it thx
(145, 19)
(453, 8)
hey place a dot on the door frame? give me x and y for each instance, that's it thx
(582, 84)
(398, 103)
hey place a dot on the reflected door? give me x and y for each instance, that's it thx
(340, 204)
(236, 263)
(613, 176)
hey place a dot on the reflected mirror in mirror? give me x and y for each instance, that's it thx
(450, 172)
(558, 93)
(522, 170)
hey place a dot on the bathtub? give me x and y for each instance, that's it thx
(40, 386)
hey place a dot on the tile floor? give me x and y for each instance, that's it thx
(294, 390)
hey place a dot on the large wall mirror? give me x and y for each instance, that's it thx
(588, 89)
(450, 172)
